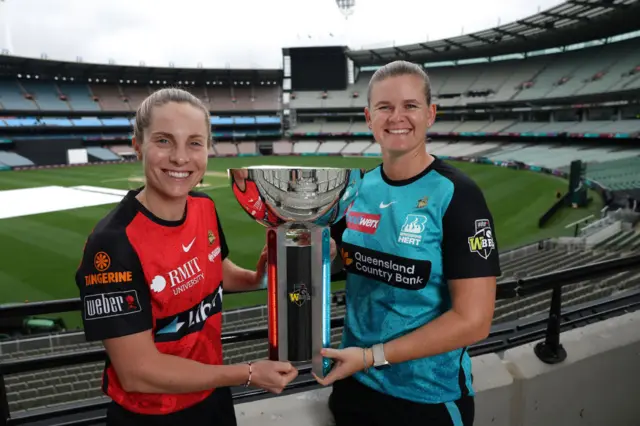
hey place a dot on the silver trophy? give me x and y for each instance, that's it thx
(297, 205)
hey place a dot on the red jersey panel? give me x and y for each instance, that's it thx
(140, 272)
(252, 202)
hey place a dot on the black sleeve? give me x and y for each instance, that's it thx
(337, 229)
(469, 245)
(113, 291)
(338, 272)
(224, 249)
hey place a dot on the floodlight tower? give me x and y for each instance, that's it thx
(346, 7)
(6, 45)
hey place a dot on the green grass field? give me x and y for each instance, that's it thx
(39, 253)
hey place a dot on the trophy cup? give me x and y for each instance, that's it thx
(297, 205)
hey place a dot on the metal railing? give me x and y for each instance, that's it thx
(502, 337)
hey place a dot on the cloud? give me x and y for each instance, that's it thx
(237, 33)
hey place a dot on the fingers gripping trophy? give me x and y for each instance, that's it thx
(297, 205)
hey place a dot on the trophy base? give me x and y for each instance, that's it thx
(299, 293)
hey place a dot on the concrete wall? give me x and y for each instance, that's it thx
(597, 385)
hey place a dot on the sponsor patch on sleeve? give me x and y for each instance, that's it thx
(101, 273)
(114, 304)
(397, 271)
(482, 242)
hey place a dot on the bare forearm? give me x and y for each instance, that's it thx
(448, 332)
(240, 279)
(237, 278)
(173, 375)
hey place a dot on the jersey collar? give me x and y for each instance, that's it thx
(412, 179)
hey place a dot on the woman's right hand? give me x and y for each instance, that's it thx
(272, 376)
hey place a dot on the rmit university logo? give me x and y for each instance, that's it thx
(412, 229)
(482, 241)
(182, 278)
(189, 321)
(299, 295)
(363, 222)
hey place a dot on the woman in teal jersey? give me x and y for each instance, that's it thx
(421, 262)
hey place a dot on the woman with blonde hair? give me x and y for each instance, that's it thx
(151, 281)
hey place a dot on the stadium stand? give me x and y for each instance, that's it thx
(536, 94)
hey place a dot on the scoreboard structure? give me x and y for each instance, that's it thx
(313, 69)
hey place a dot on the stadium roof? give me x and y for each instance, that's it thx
(571, 22)
(11, 66)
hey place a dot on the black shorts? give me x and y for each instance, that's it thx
(216, 410)
(354, 404)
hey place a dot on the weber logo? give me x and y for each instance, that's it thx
(106, 305)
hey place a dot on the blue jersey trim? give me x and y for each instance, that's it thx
(454, 412)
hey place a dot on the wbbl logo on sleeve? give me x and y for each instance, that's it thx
(482, 241)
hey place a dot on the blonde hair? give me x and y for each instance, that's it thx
(397, 69)
(162, 97)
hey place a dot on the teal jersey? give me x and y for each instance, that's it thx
(401, 241)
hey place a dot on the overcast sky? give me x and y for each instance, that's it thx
(234, 33)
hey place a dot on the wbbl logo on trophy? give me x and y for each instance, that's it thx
(299, 295)
(482, 241)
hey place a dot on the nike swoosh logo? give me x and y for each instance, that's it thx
(187, 248)
(384, 206)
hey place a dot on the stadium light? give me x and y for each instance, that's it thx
(346, 7)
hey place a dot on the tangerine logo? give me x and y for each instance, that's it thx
(101, 261)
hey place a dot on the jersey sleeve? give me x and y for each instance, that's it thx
(337, 229)
(469, 245)
(113, 291)
(338, 273)
(224, 249)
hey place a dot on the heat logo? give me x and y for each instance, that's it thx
(363, 222)
(412, 229)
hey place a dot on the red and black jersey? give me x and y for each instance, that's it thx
(139, 272)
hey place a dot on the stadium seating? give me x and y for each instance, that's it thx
(102, 154)
(600, 69)
(64, 385)
(30, 95)
(14, 160)
(485, 127)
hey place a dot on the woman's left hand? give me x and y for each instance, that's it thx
(261, 267)
(348, 361)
